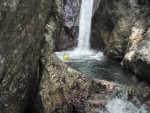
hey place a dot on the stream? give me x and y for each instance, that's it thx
(93, 65)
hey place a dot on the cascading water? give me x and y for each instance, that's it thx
(120, 105)
(83, 51)
(85, 24)
(84, 60)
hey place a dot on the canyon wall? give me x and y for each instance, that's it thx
(62, 89)
(22, 25)
(67, 16)
(123, 28)
(21, 29)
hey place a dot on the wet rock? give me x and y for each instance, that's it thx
(67, 22)
(137, 57)
(142, 92)
(123, 28)
(97, 103)
(112, 22)
(63, 89)
(96, 110)
(21, 27)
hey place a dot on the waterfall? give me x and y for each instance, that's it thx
(85, 25)
(83, 51)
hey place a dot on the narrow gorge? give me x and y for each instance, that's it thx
(74, 56)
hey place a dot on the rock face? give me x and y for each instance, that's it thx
(67, 16)
(124, 28)
(62, 89)
(21, 26)
(137, 56)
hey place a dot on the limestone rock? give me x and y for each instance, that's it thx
(113, 21)
(62, 89)
(122, 26)
(137, 58)
(21, 26)
(67, 22)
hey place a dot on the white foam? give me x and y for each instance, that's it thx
(80, 55)
(123, 106)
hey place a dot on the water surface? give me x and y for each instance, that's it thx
(104, 70)
(92, 64)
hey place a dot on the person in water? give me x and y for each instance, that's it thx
(65, 57)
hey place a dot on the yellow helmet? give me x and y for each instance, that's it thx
(65, 57)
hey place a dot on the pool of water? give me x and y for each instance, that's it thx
(104, 70)
(92, 64)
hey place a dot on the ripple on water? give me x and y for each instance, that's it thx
(92, 64)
